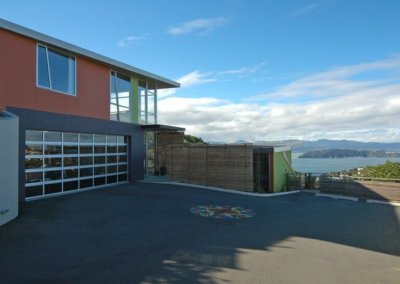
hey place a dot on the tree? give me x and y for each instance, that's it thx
(192, 139)
(387, 170)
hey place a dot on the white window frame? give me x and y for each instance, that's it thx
(48, 68)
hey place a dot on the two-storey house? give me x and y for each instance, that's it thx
(83, 117)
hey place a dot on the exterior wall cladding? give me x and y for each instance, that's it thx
(18, 82)
(41, 109)
(30, 119)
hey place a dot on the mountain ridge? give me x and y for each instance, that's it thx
(302, 146)
(325, 144)
(347, 153)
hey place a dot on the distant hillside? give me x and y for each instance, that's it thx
(345, 153)
(324, 144)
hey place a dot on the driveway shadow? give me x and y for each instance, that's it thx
(145, 233)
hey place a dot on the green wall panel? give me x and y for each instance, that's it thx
(135, 100)
(281, 168)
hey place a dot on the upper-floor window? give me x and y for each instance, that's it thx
(147, 103)
(120, 97)
(55, 70)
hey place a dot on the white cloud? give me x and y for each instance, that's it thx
(188, 80)
(337, 81)
(203, 26)
(243, 70)
(195, 78)
(311, 7)
(198, 78)
(129, 40)
(367, 110)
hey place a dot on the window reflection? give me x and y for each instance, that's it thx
(56, 70)
(112, 159)
(79, 168)
(111, 149)
(99, 181)
(99, 149)
(86, 161)
(52, 162)
(34, 135)
(86, 183)
(68, 150)
(85, 138)
(52, 175)
(34, 177)
(120, 96)
(72, 173)
(52, 149)
(71, 185)
(70, 161)
(98, 138)
(70, 137)
(33, 163)
(86, 172)
(33, 149)
(31, 191)
(100, 160)
(99, 171)
(52, 188)
(86, 149)
(52, 136)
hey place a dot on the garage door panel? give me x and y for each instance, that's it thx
(63, 162)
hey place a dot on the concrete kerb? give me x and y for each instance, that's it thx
(392, 203)
(316, 193)
(224, 190)
(356, 199)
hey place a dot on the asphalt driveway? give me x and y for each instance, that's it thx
(145, 233)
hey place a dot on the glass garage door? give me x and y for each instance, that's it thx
(61, 162)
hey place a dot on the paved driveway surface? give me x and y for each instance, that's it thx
(145, 233)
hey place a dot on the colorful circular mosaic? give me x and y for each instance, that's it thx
(223, 212)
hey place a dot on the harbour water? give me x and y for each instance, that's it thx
(325, 165)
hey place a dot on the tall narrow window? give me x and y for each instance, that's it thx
(120, 97)
(55, 70)
(147, 102)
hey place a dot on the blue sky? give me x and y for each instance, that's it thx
(251, 70)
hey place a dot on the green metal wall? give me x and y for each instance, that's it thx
(135, 100)
(281, 168)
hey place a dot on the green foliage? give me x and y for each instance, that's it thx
(387, 170)
(193, 139)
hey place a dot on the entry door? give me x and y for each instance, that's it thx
(261, 172)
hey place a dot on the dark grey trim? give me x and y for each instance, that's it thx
(31, 119)
(161, 128)
(261, 150)
(136, 72)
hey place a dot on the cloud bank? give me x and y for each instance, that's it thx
(350, 102)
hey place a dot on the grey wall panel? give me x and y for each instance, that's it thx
(8, 167)
(30, 119)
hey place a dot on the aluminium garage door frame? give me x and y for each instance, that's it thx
(133, 140)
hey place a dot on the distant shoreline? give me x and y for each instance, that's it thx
(326, 165)
(348, 153)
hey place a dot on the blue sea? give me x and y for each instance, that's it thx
(325, 165)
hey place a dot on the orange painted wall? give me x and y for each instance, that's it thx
(18, 82)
